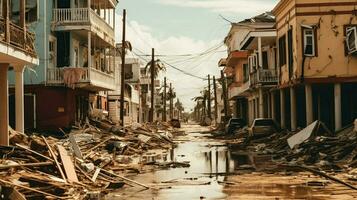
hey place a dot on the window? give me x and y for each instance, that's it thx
(290, 53)
(31, 11)
(245, 73)
(265, 60)
(282, 51)
(309, 42)
(351, 42)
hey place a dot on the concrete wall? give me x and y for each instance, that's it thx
(331, 60)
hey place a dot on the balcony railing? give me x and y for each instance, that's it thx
(18, 37)
(94, 77)
(264, 76)
(81, 16)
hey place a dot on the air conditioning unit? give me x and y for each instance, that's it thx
(351, 40)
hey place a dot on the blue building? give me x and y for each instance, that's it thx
(75, 43)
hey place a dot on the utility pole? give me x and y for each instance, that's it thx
(215, 99)
(171, 101)
(209, 98)
(224, 95)
(152, 72)
(164, 115)
(122, 86)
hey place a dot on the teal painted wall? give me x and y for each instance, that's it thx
(42, 29)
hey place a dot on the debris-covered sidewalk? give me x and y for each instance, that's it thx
(91, 161)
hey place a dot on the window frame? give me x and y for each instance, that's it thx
(345, 34)
(282, 52)
(314, 41)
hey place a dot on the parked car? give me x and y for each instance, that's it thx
(234, 124)
(263, 127)
(175, 123)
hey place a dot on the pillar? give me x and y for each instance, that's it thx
(272, 109)
(309, 106)
(282, 108)
(256, 107)
(338, 118)
(260, 52)
(19, 98)
(269, 105)
(4, 106)
(89, 49)
(293, 109)
(261, 103)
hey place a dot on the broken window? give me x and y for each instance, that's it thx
(31, 11)
(309, 42)
(265, 60)
(282, 51)
(351, 42)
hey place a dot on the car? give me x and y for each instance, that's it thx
(175, 123)
(262, 127)
(234, 124)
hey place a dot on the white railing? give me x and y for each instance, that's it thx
(92, 76)
(264, 76)
(70, 15)
(64, 16)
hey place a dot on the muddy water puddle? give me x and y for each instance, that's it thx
(214, 173)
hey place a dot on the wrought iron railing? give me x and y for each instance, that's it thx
(264, 76)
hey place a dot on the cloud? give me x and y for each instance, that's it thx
(143, 39)
(224, 6)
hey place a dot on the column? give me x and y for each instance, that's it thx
(256, 107)
(88, 3)
(269, 105)
(309, 106)
(261, 103)
(89, 50)
(293, 109)
(282, 108)
(19, 98)
(4, 106)
(260, 52)
(272, 102)
(338, 118)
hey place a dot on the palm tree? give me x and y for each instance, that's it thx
(179, 107)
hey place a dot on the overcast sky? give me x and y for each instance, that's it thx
(176, 27)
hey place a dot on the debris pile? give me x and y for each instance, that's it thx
(314, 145)
(85, 164)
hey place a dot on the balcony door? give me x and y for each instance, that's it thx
(63, 3)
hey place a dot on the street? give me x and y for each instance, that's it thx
(217, 172)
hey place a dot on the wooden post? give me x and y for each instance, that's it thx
(209, 98)
(123, 70)
(164, 114)
(215, 99)
(152, 74)
(4, 106)
(224, 88)
(7, 20)
(171, 101)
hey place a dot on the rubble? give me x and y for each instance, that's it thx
(314, 145)
(87, 162)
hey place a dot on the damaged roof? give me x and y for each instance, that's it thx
(266, 17)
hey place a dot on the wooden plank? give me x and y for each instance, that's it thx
(55, 159)
(34, 190)
(95, 175)
(67, 164)
(75, 147)
(16, 195)
(125, 179)
(96, 146)
(26, 165)
(34, 152)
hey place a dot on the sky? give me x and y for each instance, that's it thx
(176, 28)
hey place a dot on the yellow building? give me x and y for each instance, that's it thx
(317, 62)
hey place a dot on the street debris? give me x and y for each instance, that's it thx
(88, 160)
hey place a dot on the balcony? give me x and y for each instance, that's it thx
(264, 77)
(18, 38)
(82, 18)
(89, 78)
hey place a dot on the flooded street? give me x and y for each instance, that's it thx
(217, 172)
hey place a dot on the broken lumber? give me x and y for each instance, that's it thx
(40, 164)
(55, 159)
(67, 164)
(126, 179)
